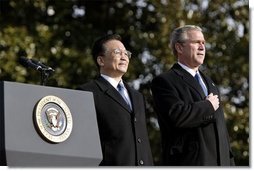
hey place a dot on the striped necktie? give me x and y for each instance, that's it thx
(120, 88)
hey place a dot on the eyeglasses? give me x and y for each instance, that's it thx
(121, 52)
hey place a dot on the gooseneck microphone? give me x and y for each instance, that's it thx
(42, 65)
(45, 71)
(32, 63)
(29, 64)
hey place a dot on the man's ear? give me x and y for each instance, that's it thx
(178, 47)
(100, 61)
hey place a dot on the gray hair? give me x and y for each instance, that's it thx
(179, 35)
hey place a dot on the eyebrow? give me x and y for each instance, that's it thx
(195, 40)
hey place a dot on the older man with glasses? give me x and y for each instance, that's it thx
(120, 109)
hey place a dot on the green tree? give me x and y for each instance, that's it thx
(61, 34)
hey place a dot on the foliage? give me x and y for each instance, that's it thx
(61, 34)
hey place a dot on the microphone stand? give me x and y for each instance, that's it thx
(45, 73)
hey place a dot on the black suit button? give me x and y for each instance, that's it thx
(135, 119)
(139, 140)
(141, 162)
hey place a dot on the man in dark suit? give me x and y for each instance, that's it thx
(190, 114)
(120, 109)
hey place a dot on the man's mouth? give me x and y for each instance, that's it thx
(200, 54)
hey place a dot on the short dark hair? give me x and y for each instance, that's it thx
(98, 47)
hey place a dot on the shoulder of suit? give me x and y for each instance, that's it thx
(134, 91)
(87, 86)
(164, 74)
(170, 71)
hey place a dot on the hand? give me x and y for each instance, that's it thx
(214, 100)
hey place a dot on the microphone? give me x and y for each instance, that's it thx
(42, 65)
(37, 65)
(28, 63)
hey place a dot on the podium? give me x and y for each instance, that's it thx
(47, 126)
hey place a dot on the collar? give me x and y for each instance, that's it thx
(189, 70)
(111, 80)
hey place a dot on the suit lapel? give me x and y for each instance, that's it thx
(133, 98)
(189, 79)
(211, 87)
(110, 91)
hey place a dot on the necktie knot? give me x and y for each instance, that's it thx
(120, 87)
(197, 77)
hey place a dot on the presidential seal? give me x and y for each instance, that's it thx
(53, 119)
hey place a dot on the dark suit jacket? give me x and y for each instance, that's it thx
(123, 133)
(192, 132)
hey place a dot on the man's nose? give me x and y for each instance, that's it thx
(201, 46)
